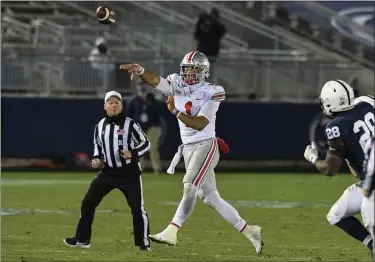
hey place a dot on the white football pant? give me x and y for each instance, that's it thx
(367, 212)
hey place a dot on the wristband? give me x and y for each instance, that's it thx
(175, 112)
(141, 71)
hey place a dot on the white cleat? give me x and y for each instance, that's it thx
(164, 238)
(253, 233)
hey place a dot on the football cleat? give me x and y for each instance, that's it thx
(253, 233)
(164, 238)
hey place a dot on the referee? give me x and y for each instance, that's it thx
(119, 142)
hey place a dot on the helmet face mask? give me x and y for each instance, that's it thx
(326, 108)
(194, 68)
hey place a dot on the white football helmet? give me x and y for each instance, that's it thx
(336, 96)
(194, 68)
(367, 99)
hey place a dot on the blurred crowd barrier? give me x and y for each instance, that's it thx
(255, 76)
(59, 131)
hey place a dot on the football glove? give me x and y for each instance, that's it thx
(311, 153)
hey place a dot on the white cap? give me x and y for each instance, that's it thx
(112, 93)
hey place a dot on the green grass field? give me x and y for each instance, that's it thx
(39, 210)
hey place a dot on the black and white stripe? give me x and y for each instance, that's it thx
(345, 88)
(109, 138)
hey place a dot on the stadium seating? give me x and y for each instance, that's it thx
(56, 38)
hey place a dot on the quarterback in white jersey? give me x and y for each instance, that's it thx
(195, 102)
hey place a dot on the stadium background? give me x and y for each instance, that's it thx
(274, 58)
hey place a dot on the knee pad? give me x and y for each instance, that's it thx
(212, 199)
(190, 189)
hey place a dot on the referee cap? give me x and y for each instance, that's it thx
(112, 93)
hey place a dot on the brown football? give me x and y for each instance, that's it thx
(105, 15)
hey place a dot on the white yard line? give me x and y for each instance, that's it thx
(238, 203)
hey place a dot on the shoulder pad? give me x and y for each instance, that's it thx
(336, 129)
(338, 121)
(367, 99)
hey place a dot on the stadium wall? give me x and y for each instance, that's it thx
(264, 134)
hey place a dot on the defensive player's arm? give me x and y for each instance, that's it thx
(334, 158)
(149, 77)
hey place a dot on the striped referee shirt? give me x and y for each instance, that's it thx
(110, 137)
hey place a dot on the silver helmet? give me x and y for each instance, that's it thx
(194, 68)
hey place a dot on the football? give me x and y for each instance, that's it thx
(105, 15)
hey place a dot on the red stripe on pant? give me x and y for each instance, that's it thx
(206, 164)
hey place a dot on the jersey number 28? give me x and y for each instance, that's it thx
(367, 128)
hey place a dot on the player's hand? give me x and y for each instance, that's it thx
(311, 153)
(134, 69)
(126, 154)
(95, 163)
(170, 103)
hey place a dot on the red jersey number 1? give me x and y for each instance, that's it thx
(188, 106)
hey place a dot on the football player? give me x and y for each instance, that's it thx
(368, 188)
(352, 125)
(195, 102)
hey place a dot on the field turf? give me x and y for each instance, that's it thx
(40, 209)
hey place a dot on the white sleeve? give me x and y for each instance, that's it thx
(217, 93)
(209, 109)
(164, 86)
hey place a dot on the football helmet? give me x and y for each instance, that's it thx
(336, 96)
(194, 68)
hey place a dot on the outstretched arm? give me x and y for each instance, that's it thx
(149, 77)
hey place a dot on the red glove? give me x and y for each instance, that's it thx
(223, 147)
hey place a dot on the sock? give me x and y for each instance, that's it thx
(368, 242)
(353, 227)
(186, 206)
(226, 210)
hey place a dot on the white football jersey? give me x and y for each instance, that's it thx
(199, 99)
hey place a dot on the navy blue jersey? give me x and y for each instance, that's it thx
(354, 127)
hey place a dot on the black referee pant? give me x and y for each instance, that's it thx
(129, 183)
